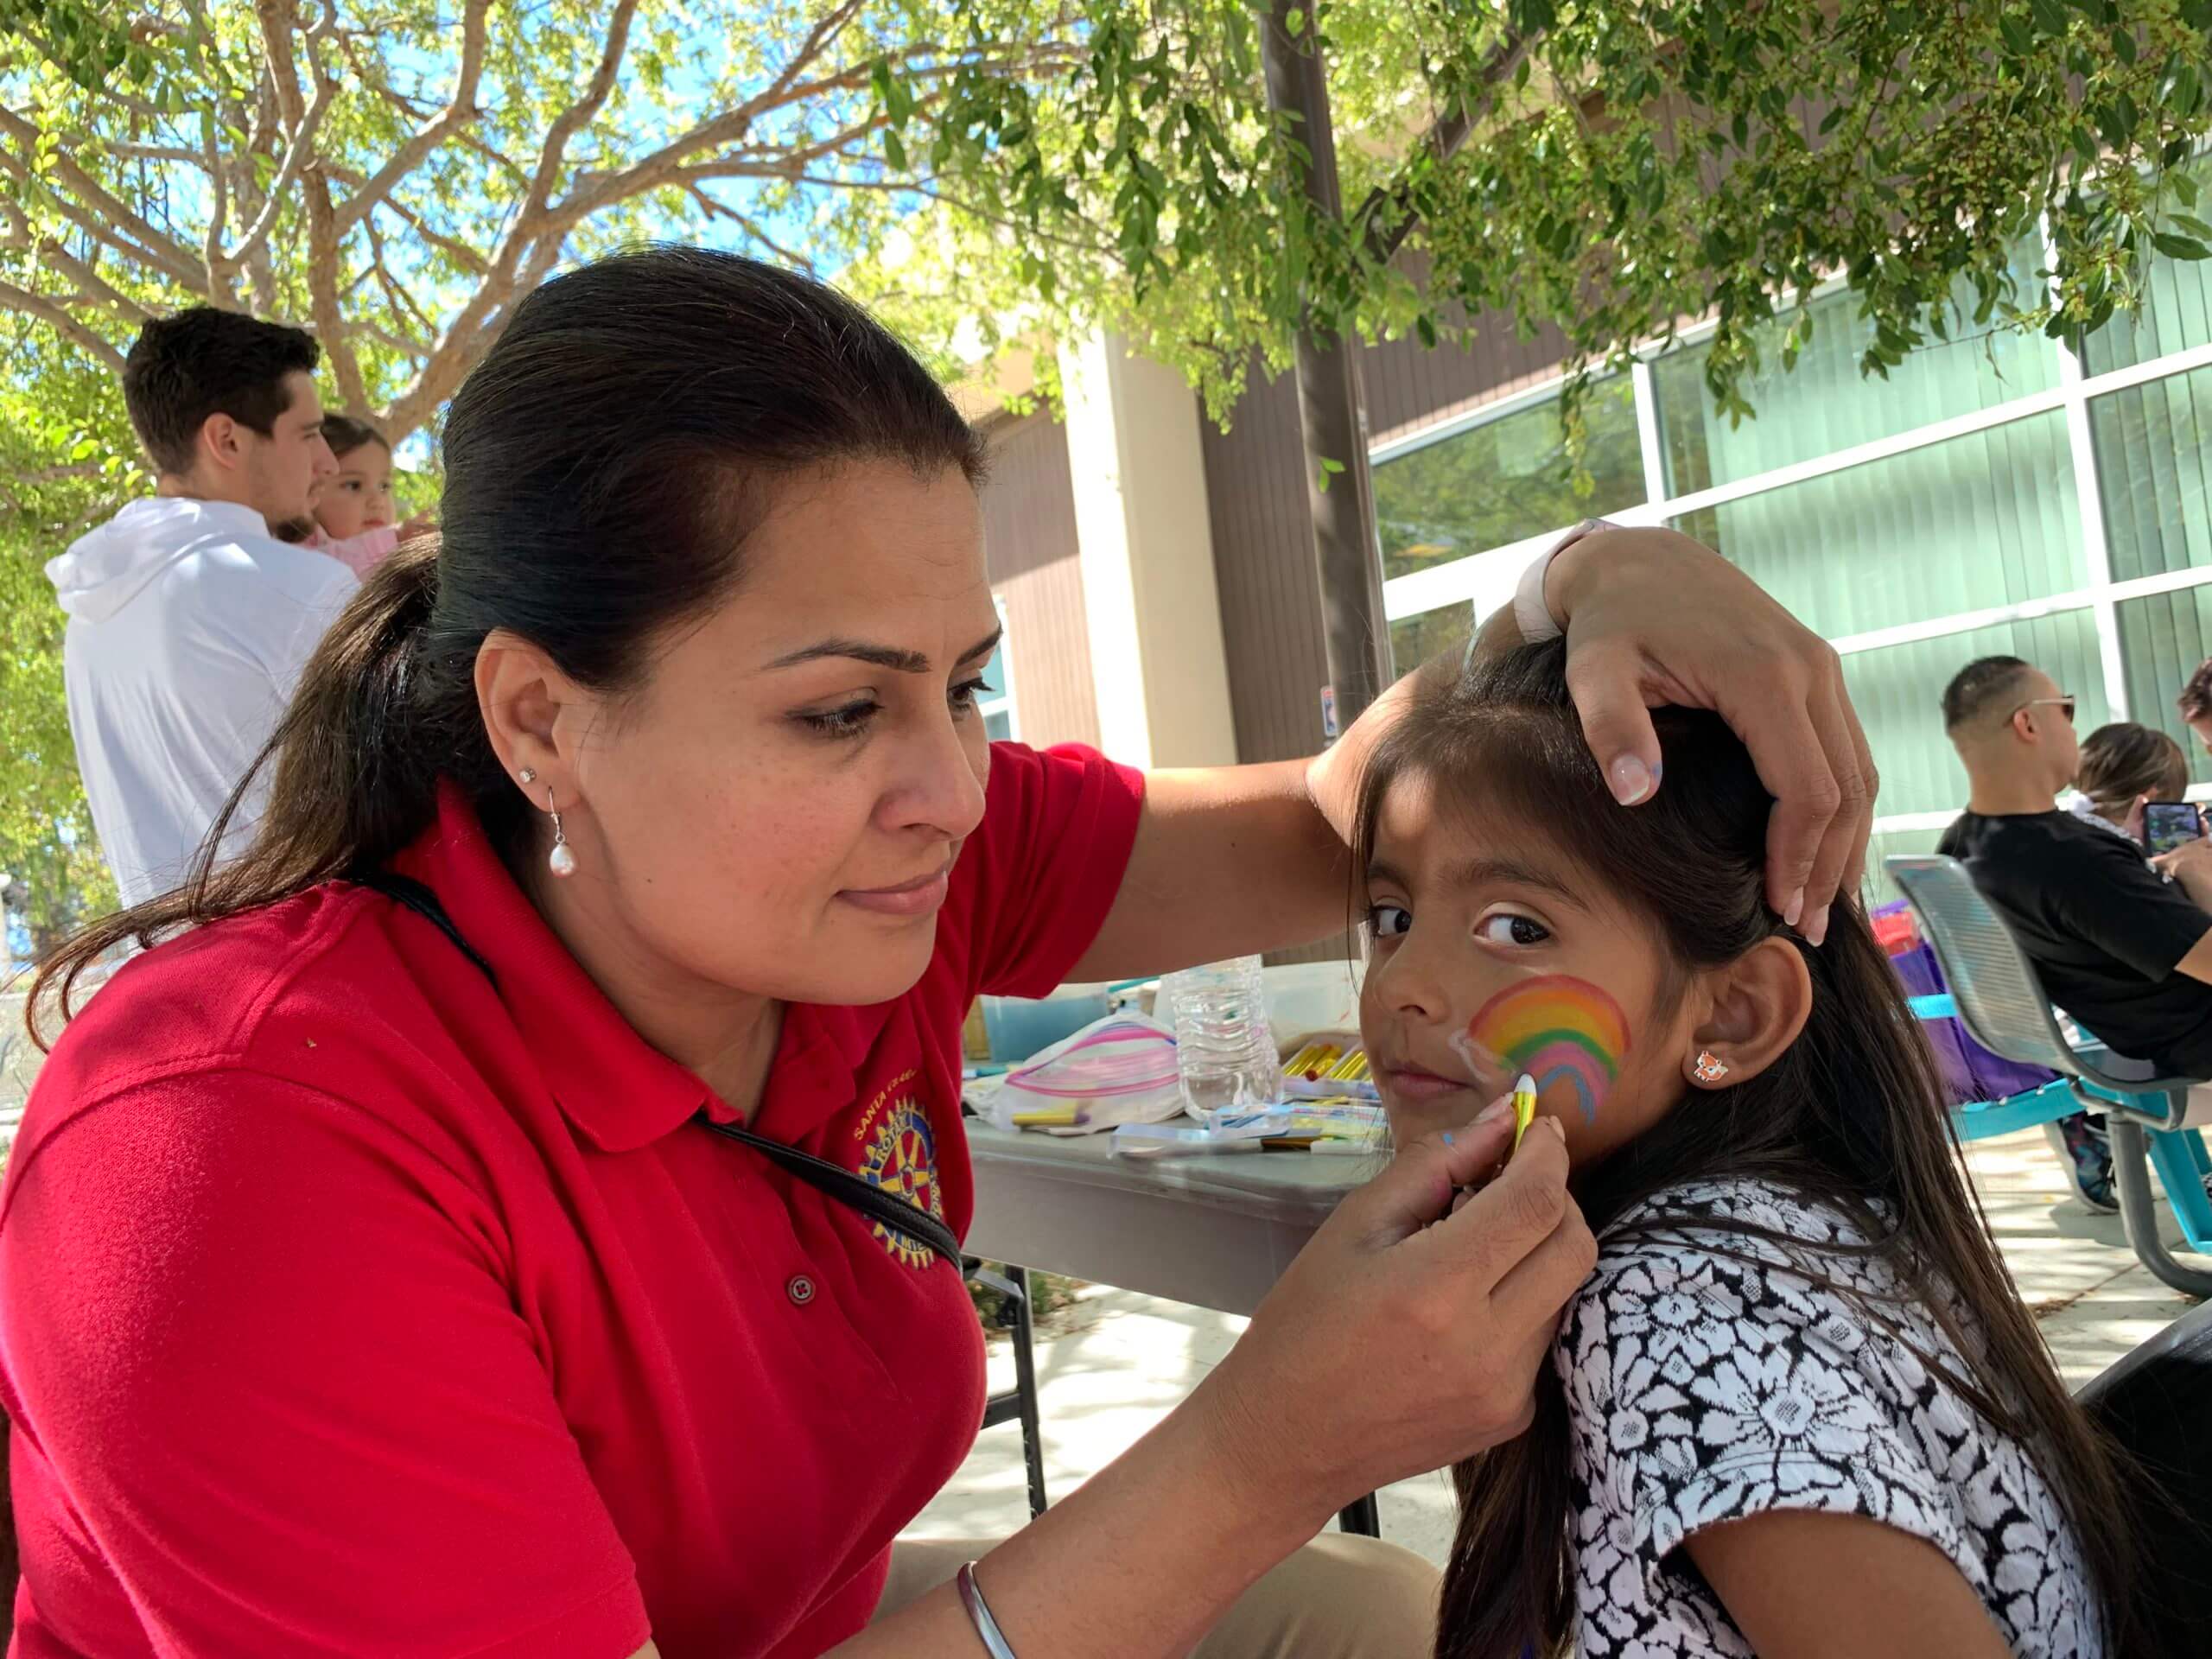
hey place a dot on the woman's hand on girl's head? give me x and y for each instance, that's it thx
(1408, 1333)
(1654, 618)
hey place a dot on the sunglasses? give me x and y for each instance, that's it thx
(2064, 705)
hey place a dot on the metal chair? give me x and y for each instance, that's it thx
(2001, 1001)
(1018, 1403)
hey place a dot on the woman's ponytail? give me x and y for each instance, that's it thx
(351, 779)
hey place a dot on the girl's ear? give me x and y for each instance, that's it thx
(1757, 1005)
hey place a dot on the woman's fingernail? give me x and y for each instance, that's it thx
(1557, 1127)
(1816, 927)
(1494, 1112)
(1631, 779)
(1794, 909)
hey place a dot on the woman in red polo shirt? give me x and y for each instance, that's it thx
(378, 1273)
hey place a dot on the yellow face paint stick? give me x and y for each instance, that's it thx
(1524, 1106)
(1055, 1117)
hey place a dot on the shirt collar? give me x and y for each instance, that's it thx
(619, 1091)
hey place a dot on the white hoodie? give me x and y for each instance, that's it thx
(188, 627)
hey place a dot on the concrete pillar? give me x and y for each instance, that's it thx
(1147, 558)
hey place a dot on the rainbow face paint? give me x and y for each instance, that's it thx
(1561, 1031)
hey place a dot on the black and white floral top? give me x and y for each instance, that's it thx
(1704, 1388)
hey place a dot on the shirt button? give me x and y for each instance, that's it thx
(800, 1289)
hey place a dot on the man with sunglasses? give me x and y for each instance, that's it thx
(2126, 954)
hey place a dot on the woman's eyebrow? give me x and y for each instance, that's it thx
(897, 660)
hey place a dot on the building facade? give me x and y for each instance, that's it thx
(2000, 492)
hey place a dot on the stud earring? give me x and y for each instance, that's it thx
(562, 863)
(1710, 1067)
(528, 774)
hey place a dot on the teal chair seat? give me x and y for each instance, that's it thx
(1996, 994)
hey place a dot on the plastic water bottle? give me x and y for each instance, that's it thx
(1224, 1049)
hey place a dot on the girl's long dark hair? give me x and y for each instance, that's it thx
(604, 465)
(1854, 1115)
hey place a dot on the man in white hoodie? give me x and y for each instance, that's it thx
(188, 622)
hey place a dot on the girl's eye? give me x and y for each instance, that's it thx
(1507, 927)
(963, 695)
(851, 721)
(1389, 921)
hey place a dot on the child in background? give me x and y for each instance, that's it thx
(354, 510)
(1798, 1408)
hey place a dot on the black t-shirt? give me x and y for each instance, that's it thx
(2102, 930)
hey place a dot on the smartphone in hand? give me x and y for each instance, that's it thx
(2169, 824)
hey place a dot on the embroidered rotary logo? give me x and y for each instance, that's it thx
(901, 1160)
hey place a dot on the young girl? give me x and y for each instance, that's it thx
(354, 510)
(1798, 1409)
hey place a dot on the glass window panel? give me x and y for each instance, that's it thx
(1825, 405)
(998, 725)
(1879, 888)
(1505, 480)
(2153, 445)
(2163, 638)
(1898, 691)
(2177, 310)
(1983, 520)
(1417, 640)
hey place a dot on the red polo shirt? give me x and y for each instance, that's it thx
(350, 1305)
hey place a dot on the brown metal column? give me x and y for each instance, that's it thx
(1331, 409)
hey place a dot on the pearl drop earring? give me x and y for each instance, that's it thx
(562, 863)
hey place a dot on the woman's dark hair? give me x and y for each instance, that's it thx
(604, 466)
(2123, 762)
(345, 435)
(1853, 1115)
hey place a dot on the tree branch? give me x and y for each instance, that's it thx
(1441, 142)
(56, 256)
(460, 111)
(159, 153)
(299, 155)
(404, 311)
(714, 210)
(97, 211)
(278, 19)
(35, 305)
(211, 248)
(533, 224)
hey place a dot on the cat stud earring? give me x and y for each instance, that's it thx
(1710, 1067)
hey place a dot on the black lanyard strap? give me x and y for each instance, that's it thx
(854, 1192)
(405, 891)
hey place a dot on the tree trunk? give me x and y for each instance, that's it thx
(1331, 409)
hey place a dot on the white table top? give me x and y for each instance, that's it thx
(1213, 1231)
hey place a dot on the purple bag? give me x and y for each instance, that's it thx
(1970, 1071)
